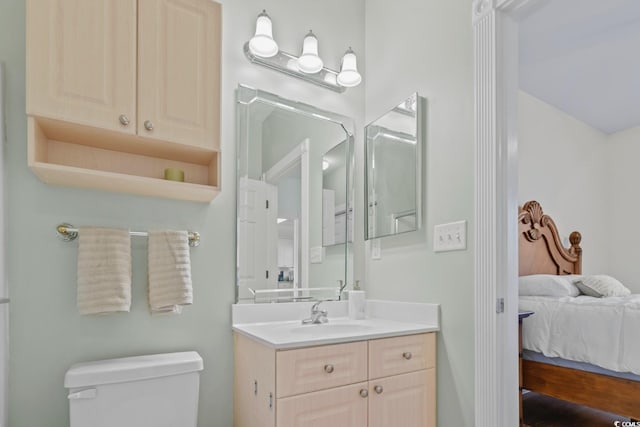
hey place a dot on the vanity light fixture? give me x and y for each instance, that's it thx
(349, 75)
(325, 165)
(309, 62)
(262, 43)
(263, 50)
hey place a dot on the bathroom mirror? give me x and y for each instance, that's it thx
(294, 199)
(393, 156)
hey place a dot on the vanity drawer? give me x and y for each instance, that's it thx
(317, 368)
(398, 355)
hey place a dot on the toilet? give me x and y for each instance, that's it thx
(159, 390)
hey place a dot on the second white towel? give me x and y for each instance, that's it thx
(169, 271)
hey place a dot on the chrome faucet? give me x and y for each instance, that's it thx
(317, 316)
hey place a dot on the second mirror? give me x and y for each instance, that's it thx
(394, 170)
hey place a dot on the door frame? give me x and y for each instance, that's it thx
(299, 155)
(495, 39)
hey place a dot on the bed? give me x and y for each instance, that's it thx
(542, 252)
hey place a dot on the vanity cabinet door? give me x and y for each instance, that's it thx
(338, 407)
(253, 383)
(81, 62)
(406, 400)
(179, 71)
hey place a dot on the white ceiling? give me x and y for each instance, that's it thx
(583, 57)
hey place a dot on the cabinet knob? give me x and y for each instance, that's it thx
(328, 368)
(124, 120)
(364, 392)
(148, 125)
(378, 389)
(407, 355)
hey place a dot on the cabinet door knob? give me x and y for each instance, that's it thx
(124, 120)
(407, 355)
(328, 368)
(378, 389)
(148, 125)
(364, 392)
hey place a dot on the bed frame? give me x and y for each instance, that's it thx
(542, 252)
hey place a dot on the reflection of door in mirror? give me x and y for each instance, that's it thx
(256, 228)
(281, 249)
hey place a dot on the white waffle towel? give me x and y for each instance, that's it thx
(169, 271)
(104, 270)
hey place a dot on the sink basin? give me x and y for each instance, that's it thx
(330, 328)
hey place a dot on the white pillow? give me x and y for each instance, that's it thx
(601, 286)
(548, 285)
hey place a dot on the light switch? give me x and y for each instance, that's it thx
(316, 254)
(450, 237)
(376, 252)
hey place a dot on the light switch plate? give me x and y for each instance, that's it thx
(376, 251)
(450, 237)
(316, 254)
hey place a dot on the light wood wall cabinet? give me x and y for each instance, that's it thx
(119, 90)
(383, 382)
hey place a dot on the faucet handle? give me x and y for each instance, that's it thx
(314, 307)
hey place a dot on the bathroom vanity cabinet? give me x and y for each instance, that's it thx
(118, 91)
(378, 382)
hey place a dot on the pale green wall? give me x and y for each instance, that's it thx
(426, 46)
(414, 45)
(47, 335)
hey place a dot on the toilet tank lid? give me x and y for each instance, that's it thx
(132, 369)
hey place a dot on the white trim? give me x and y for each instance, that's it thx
(495, 32)
(4, 287)
(300, 154)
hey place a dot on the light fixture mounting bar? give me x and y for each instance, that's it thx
(286, 63)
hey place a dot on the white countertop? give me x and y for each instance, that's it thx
(279, 325)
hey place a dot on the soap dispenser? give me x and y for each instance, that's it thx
(356, 302)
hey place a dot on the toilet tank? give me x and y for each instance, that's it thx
(159, 390)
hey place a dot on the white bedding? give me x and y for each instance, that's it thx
(600, 331)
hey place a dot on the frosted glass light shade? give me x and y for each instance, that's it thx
(348, 75)
(262, 43)
(309, 62)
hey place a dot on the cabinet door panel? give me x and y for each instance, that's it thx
(81, 61)
(338, 407)
(179, 71)
(406, 400)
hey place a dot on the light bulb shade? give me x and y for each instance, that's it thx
(348, 75)
(262, 43)
(309, 62)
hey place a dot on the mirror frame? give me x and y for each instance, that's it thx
(246, 95)
(419, 160)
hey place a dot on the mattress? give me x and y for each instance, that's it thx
(581, 366)
(604, 332)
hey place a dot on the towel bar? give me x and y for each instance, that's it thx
(68, 233)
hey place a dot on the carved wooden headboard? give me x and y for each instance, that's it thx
(539, 245)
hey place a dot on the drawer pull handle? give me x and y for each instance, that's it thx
(407, 355)
(378, 389)
(148, 125)
(328, 368)
(124, 120)
(364, 392)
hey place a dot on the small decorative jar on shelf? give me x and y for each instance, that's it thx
(174, 174)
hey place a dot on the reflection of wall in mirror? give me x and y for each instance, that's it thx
(395, 183)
